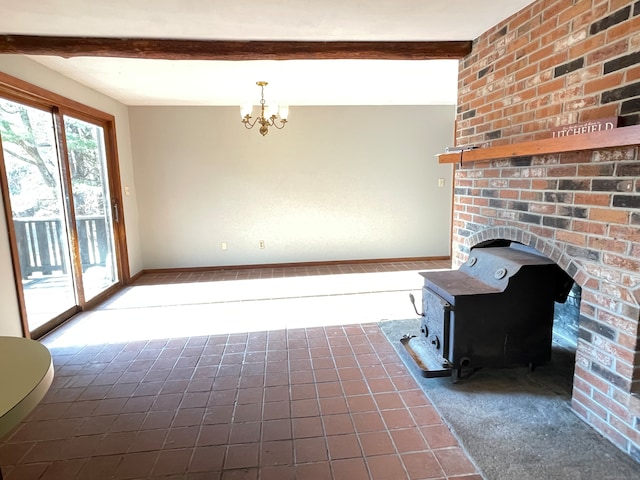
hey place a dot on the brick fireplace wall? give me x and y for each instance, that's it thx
(554, 63)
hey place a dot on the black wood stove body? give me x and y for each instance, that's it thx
(495, 311)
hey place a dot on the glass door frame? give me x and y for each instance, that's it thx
(17, 90)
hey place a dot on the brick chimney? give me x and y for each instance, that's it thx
(555, 63)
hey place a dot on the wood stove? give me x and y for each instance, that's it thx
(495, 311)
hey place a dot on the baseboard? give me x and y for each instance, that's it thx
(287, 265)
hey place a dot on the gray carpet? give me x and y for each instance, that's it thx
(518, 424)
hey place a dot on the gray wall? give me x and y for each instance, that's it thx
(338, 183)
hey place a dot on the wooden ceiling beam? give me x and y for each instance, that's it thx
(230, 50)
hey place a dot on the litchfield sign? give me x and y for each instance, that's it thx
(591, 126)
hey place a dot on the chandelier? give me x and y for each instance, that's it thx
(269, 116)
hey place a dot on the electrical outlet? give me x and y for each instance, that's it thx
(223, 245)
(261, 244)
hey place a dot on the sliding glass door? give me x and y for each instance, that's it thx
(91, 205)
(36, 196)
(57, 191)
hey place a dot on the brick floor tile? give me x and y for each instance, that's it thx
(337, 424)
(224, 414)
(181, 437)
(454, 461)
(172, 462)
(63, 470)
(380, 385)
(155, 420)
(241, 456)
(350, 469)
(12, 453)
(314, 471)
(114, 443)
(425, 415)
(355, 387)
(438, 436)
(361, 403)
(136, 465)
(185, 417)
(310, 450)
(386, 467)
(148, 440)
(83, 447)
(28, 471)
(408, 440)
(367, 422)
(329, 390)
(243, 413)
(343, 446)
(240, 474)
(97, 468)
(207, 459)
(304, 408)
(307, 427)
(376, 443)
(214, 434)
(303, 392)
(245, 432)
(414, 398)
(388, 401)
(422, 465)
(326, 375)
(276, 453)
(127, 422)
(277, 393)
(287, 472)
(333, 405)
(251, 395)
(47, 451)
(276, 410)
(397, 418)
(276, 429)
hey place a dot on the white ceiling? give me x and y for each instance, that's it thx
(293, 82)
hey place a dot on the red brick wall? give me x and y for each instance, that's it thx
(556, 62)
(559, 62)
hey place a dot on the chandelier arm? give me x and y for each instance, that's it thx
(248, 124)
(282, 124)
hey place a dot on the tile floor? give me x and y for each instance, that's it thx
(287, 398)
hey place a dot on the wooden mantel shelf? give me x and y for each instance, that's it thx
(617, 137)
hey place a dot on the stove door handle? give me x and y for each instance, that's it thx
(413, 302)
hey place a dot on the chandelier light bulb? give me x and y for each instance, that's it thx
(246, 109)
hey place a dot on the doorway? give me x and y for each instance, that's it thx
(59, 177)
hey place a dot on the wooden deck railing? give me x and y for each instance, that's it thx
(42, 249)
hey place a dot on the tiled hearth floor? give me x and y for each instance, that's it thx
(287, 398)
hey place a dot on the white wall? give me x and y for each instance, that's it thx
(338, 183)
(32, 72)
